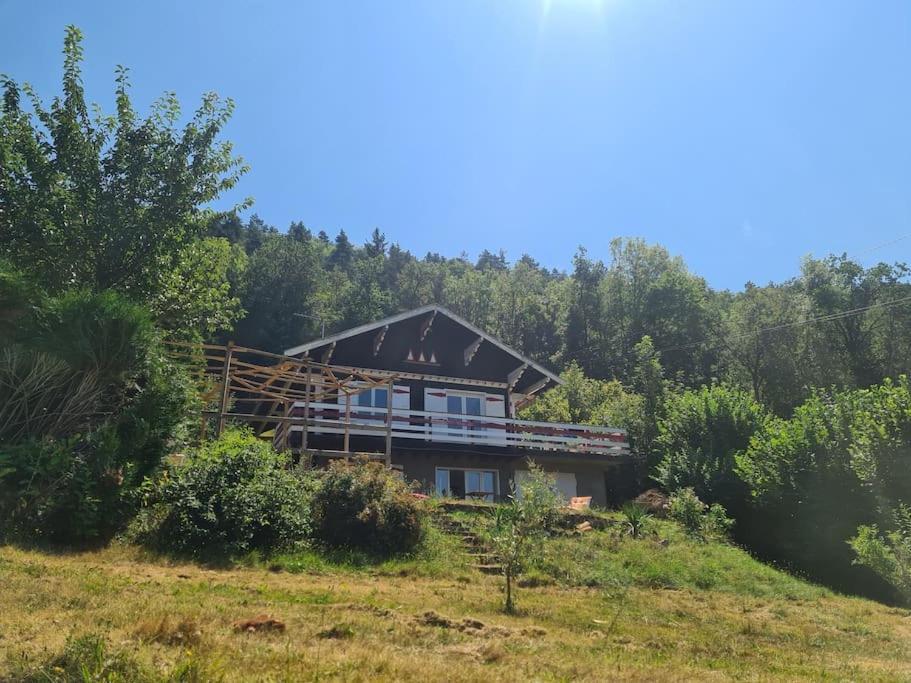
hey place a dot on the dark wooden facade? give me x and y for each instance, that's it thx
(452, 426)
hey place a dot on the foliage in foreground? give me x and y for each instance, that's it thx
(699, 436)
(364, 506)
(119, 201)
(231, 496)
(888, 554)
(527, 517)
(90, 658)
(89, 405)
(699, 520)
(841, 462)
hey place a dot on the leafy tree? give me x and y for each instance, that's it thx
(649, 383)
(773, 364)
(582, 400)
(284, 284)
(520, 523)
(110, 201)
(699, 437)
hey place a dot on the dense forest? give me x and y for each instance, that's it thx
(787, 403)
(835, 324)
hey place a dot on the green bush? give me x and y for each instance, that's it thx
(699, 436)
(636, 518)
(698, 519)
(889, 554)
(231, 496)
(87, 410)
(362, 505)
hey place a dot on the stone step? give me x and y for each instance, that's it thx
(489, 568)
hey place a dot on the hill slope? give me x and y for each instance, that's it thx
(609, 608)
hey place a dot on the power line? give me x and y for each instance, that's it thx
(797, 323)
(880, 246)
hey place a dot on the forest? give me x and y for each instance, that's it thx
(787, 403)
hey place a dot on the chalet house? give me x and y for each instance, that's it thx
(450, 422)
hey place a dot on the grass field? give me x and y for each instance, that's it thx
(601, 607)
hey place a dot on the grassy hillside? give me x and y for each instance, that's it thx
(595, 607)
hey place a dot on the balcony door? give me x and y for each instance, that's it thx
(469, 405)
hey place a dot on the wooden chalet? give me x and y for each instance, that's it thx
(437, 398)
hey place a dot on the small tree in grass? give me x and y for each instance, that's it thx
(889, 554)
(526, 518)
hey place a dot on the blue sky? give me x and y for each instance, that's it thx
(741, 135)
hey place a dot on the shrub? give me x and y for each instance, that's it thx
(636, 517)
(530, 513)
(83, 418)
(231, 496)
(889, 554)
(364, 506)
(699, 436)
(698, 519)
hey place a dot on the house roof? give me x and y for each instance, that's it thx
(523, 360)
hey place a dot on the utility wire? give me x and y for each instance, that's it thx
(880, 246)
(808, 321)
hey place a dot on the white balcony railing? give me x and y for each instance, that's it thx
(419, 425)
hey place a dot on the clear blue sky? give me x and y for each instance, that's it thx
(741, 135)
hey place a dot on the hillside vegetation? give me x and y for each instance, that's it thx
(596, 606)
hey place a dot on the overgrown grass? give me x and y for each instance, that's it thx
(439, 555)
(597, 606)
(665, 558)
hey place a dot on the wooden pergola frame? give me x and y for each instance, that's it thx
(240, 381)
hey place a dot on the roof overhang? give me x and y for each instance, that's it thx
(547, 378)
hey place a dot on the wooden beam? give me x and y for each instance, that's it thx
(225, 388)
(427, 324)
(378, 339)
(390, 392)
(327, 354)
(536, 386)
(515, 376)
(472, 349)
(420, 376)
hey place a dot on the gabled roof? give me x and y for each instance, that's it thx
(408, 315)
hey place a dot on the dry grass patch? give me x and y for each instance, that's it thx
(356, 626)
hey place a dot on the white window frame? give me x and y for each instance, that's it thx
(494, 472)
(458, 393)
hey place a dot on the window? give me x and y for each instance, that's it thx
(463, 404)
(372, 398)
(463, 483)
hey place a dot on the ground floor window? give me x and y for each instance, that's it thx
(467, 483)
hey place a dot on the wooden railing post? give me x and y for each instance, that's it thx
(225, 388)
(389, 395)
(347, 421)
(286, 427)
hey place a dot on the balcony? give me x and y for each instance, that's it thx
(394, 424)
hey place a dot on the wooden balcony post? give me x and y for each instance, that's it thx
(306, 410)
(286, 426)
(389, 395)
(347, 421)
(225, 387)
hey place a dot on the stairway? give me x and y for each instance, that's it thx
(482, 558)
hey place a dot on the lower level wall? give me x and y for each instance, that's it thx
(608, 483)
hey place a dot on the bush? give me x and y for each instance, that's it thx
(889, 554)
(698, 519)
(636, 517)
(364, 506)
(231, 496)
(89, 405)
(699, 436)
